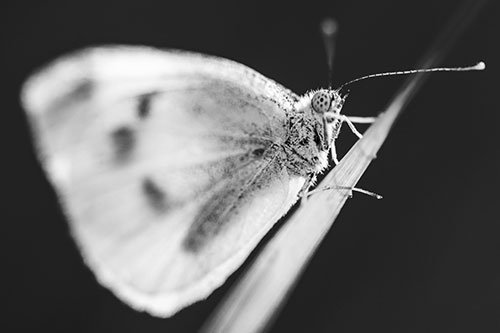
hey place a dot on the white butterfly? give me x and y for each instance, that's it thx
(171, 166)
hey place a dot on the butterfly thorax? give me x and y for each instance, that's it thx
(306, 145)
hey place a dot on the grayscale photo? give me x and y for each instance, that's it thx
(251, 166)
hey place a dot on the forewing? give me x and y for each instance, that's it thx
(167, 164)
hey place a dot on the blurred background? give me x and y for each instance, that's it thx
(424, 259)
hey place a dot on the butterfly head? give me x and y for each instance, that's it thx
(324, 102)
(325, 108)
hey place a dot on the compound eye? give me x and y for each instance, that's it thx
(321, 102)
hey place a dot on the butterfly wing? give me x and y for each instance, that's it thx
(168, 165)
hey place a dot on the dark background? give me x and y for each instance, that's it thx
(424, 259)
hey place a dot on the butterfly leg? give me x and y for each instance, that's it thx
(351, 189)
(358, 120)
(362, 120)
(351, 126)
(333, 150)
(304, 191)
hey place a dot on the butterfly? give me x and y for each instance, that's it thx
(171, 166)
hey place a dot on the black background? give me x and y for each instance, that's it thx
(424, 259)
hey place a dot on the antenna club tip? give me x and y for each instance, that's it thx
(329, 26)
(480, 66)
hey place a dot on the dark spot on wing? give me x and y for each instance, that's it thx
(123, 140)
(154, 194)
(81, 91)
(258, 152)
(144, 105)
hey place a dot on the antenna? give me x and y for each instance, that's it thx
(477, 67)
(328, 29)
